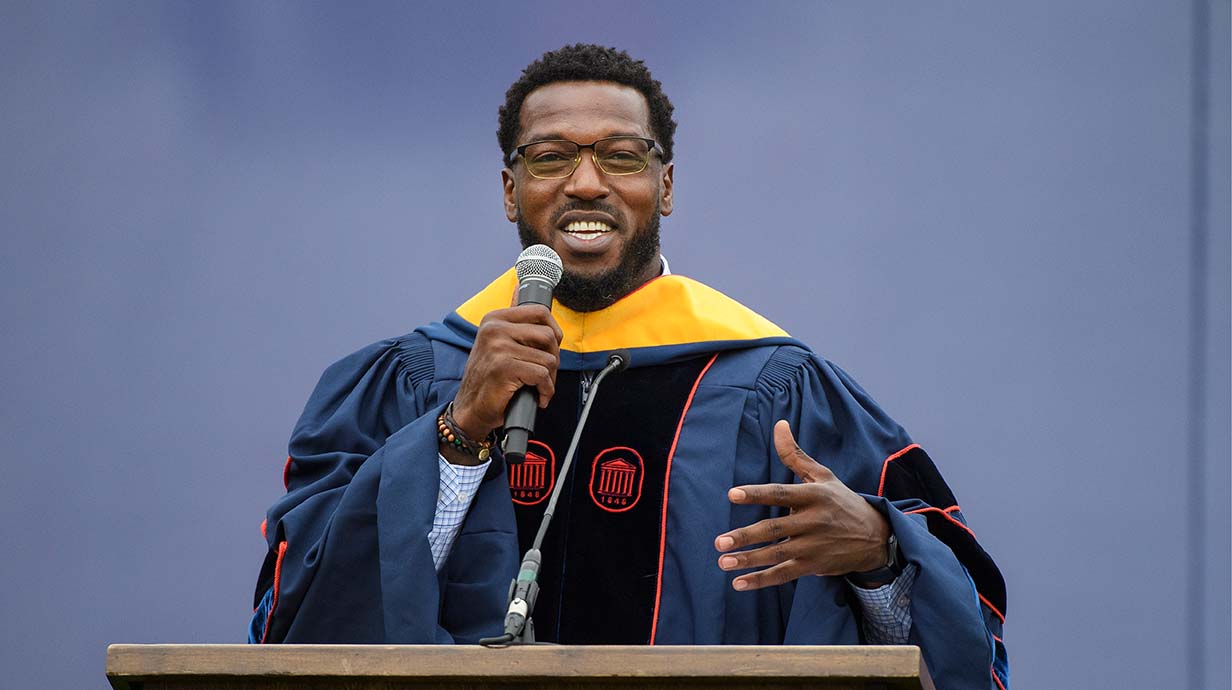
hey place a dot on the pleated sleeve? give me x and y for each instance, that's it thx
(348, 556)
(958, 599)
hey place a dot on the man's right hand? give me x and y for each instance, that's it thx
(515, 347)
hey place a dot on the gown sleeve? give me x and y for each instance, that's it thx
(957, 602)
(349, 558)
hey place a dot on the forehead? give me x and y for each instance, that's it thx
(583, 111)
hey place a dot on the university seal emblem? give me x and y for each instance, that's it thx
(616, 479)
(531, 482)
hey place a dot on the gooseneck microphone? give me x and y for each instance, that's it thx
(539, 270)
(524, 589)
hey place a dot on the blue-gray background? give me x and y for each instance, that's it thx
(1009, 220)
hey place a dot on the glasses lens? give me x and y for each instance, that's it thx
(551, 158)
(622, 156)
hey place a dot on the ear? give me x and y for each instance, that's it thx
(665, 190)
(511, 199)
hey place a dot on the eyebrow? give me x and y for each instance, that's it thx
(549, 136)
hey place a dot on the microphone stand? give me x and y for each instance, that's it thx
(524, 590)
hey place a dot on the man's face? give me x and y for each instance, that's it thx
(605, 227)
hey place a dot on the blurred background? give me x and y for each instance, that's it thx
(1009, 220)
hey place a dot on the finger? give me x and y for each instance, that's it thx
(529, 353)
(539, 371)
(770, 529)
(770, 577)
(560, 333)
(528, 313)
(786, 495)
(534, 333)
(537, 336)
(794, 457)
(536, 376)
(771, 554)
(532, 314)
(497, 359)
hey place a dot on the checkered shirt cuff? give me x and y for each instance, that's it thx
(458, 486)
(887, 609)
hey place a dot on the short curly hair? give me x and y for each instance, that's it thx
(586, 62)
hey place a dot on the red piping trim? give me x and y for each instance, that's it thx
(286, 474)
(667, 476)
(263, 528)
(952, 509)
(995, 679)
(998, 639)
(886, 465)
(269, 617)
(643, 285)
(992, 608)
(944, 514)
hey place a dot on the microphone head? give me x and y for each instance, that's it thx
(539, 262)
(622, 360)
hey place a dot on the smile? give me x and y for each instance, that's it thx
(587, 229)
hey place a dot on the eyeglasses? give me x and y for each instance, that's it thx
(555, 159)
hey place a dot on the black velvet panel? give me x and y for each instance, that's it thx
(913, 475)
(601, 554)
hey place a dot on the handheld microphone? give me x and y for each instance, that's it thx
(539, 270)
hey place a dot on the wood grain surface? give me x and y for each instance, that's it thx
(382, 667)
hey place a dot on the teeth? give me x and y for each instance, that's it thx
(588, 226)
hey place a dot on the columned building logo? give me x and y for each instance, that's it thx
(531, 481)
(616, 479)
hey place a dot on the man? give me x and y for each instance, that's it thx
(695, 512)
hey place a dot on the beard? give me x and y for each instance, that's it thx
(592, 293)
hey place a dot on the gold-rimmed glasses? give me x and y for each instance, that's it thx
(554, 159)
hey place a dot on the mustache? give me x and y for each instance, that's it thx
(597, 205)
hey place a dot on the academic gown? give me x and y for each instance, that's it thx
(349, 560)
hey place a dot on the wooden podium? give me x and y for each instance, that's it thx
(548, 667)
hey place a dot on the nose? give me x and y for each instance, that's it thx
(588, 181)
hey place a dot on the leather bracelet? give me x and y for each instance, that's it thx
(450, 434)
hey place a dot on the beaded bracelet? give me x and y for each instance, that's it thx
(448, 433)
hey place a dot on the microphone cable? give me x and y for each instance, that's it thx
(524, 590)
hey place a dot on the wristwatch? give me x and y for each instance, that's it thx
(871, 579)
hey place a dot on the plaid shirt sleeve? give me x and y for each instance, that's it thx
(887, 609)
(458, 486)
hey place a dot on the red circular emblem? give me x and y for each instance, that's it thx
(532, 480)
(616, 479)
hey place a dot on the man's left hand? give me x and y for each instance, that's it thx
(830, 529)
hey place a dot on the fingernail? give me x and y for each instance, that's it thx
(727, 562)
(736, 494)
(726, 543)
(739, 585)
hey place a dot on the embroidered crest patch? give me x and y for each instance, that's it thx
(532, 481)
(616, 479)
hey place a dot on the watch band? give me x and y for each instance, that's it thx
(884, 575)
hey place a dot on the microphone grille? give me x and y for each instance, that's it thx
(539, 261)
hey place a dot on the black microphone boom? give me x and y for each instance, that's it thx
(539, 270)
(524, 590)
(621, 358)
